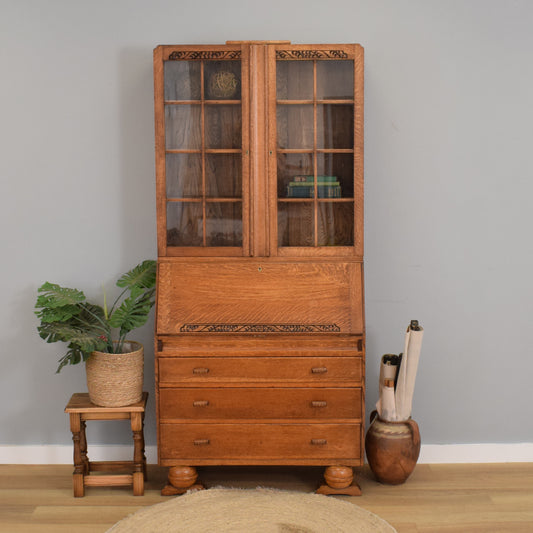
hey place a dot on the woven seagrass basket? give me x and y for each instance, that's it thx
(116, 379)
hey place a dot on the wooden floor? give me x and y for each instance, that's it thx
(492, 498)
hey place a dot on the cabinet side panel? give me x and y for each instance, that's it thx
(259, 297)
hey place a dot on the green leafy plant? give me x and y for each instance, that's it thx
(66, 315)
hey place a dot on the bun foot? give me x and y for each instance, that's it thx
(180, 480)
(339, 480)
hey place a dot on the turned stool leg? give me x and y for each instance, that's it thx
(181, 479)
(79, 465)
(83, 447)
(139, 459)
(339, 480)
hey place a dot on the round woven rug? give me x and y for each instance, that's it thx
(252, 511)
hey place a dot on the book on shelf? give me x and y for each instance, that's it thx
(311, 179)
(308, 191)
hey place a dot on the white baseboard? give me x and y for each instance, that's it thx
(430, 453)
(477, 453)
(58, 454)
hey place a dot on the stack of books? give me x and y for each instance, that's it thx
(303, 187)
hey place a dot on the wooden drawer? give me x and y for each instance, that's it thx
(225, 371)
(248, 403)
(244, 443)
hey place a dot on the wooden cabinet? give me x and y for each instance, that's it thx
(260, 315)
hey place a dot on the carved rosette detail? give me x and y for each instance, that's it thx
(311, 54)
(260, 328)
(201, 54)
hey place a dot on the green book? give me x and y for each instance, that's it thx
(308, 191)
(311, 184)
(311, 179)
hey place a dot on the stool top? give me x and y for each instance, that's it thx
(80, 403)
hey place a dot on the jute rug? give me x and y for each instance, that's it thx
(252, 511)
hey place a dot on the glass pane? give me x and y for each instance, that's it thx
(293, 168)
(222, 80)
(295, 224)
(182, 80)
(334, 80)
(183, 127)
(184, 224)
(335, 224)
(339, 166)
(223, 175)
(334, 126)
(295, 126)
(184, 175)
(224, 224)
(294, 80)
(223, 126)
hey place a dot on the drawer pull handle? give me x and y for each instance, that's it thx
(319, 404)
(319, 370)
(201, 442)
(200, 370)
(319, 442)
(200, 403)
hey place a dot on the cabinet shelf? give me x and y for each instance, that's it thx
(205, 151)
(206, 102)
(317, 150)
(207, 199)
(311, 102)
(312, 199)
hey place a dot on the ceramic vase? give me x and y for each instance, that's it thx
(392, 449)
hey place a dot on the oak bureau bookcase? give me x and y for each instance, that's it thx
(260, 322)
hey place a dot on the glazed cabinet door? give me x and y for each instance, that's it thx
(316, 149)
(201, 108)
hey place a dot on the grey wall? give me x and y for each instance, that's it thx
(448, 187)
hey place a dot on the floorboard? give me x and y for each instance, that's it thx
(475, 498)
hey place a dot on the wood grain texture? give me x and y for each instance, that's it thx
(259, 293)
(259, 345)
(478, 498)
(277, 335)
(261, 371)
(277, 443)
(359, 141)
(256, 403)
(80, 410)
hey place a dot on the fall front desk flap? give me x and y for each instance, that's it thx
(251, 296)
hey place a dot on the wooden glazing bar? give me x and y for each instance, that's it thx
(187, 200)
(183, 102)
(315, 143)
(207, 151)
(358, 149)
(320, 200)
(222, 102)
(211, 251)
(160, 166)
(335, 151)
(259, 162)
(202, 126)
(223, 151)
(309, 102)
(319, 251)
(245, 150)
(182, 151)
(295, 151)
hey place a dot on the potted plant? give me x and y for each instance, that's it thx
(97, 334)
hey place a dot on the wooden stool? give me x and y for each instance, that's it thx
(80, 410)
